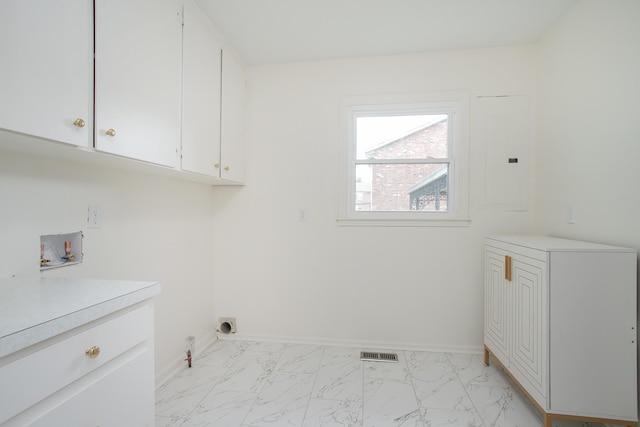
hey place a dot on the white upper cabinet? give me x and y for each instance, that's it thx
(138, 79)
(147, 80)
(234, 106)
(46, 77)
(201, 68)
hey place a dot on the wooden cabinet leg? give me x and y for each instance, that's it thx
(486, 356)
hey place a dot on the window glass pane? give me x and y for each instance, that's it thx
(402, 137)
(402, 187)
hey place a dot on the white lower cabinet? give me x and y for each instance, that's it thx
(100, 374)
(560, 317)
(514, 303)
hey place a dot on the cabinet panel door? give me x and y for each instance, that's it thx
(201, 65)
(46, 78)
(122, 397)
(593, 334)
(528, 336)
(138, 79)
(233, 117)
(496, 316)
(56, 366)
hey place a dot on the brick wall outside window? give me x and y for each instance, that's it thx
(391, 183)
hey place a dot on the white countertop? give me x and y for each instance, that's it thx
(548, 243)
(35, 309)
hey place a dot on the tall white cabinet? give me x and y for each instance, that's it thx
(560, 317)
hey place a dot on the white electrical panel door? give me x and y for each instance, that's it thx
(504, 130)
(138, 46)
(47, 69)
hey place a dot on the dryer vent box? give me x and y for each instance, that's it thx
(227, 325)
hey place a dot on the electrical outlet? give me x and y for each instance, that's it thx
(302, 215)
(571, 215)
(95, 217)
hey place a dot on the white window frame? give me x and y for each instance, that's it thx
(456, 105)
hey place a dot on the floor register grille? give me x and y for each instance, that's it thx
(378, 357)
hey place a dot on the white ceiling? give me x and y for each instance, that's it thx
(277, 31)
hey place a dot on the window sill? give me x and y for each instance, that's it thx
(390, 222)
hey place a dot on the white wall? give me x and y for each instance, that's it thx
(242, 251)
(589, 128)
(589, 131)
(314, 281)
(153, 229)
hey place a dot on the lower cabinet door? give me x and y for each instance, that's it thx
(123, 396)
(497, 307)
(529, 325)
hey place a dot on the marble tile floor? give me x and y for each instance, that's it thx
(253, 384)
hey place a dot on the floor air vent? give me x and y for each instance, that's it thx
(378, 357)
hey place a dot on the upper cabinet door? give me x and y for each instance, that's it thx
(201, 62)
(234, 113)
(46, 77)
(138, 79)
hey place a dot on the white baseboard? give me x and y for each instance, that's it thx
(366, 345)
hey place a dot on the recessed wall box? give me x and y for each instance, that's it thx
(59, 250)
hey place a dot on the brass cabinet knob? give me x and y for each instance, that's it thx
(217, 166)
(110, 132)
(92, 352)
(226, 168)
(79, 123)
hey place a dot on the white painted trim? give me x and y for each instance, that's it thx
(389, 222)
(359, 344)
(457, 104)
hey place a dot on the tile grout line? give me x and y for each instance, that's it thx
(464, 387)
(413, 386)
(313, 386)
(362, 412)
(257, 394)
(213, 385)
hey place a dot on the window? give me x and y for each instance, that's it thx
(405, 160)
